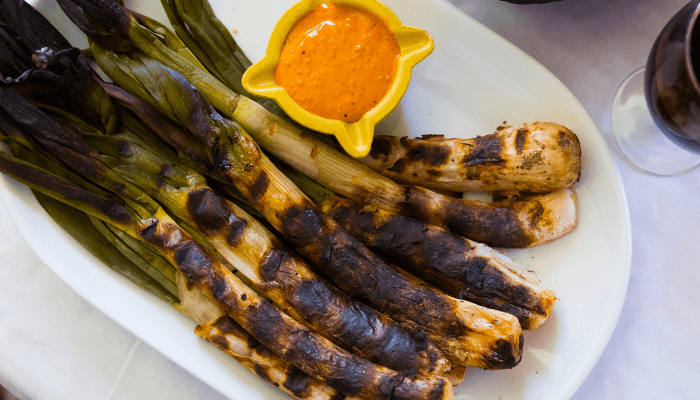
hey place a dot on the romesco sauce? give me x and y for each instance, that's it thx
(338, 62)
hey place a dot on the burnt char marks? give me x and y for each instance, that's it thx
(220, 161)
(165, 170)
(261, 371)
(348, 375)
(381, 147)
(390, 382)
(190, 256)
(520, 138)
(259, 187)
(191, 259)
(350, 216)
(400, 345)
(362, 275)
(532, 160)
(266, 324)
(261, 350)
(503, 355)
(275, 331)
(484, 284)
(313, 298)
(342, 384)
(353, 324)
(298, 383)
(429, 154)
(253, 343)
(420, 243)
(360, 327)
(491, 224)
(438, 392)
(227, 326)
(194, 262)
(487, 149)
(442, 258)
(150, 233)
(495, 226)
(219, 340)
(124, 147)
(569, 143)
(213, 215)
(535, 213)
(356, 271)
(302, 223)
(208, 210)
(397, 167)
(236, 228)
(359, 273)
(346, 262)
(433, 254)
(221, 292)
(433, 154)
(271, 263)
(475, 276)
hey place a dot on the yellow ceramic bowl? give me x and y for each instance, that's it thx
(356, 137)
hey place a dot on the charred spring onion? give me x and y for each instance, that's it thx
(251, 249)
(465, 332)
(460, 267)
(538, 157)
(116, 178)
(507, 225)
(133, 212)
(142, 218)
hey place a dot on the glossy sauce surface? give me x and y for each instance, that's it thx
(338, 62)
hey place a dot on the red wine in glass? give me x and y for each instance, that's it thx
(670, 80)
(655, 115)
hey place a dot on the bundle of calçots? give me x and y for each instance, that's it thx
(132, 211)
(143, 159)
(508, 224)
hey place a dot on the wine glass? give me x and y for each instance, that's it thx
(655, 114)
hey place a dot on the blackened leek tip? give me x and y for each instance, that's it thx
(43, 57)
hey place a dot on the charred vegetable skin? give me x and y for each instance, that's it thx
(462, 268)
(350, 324)
(538, 157)
(253, 250)
(232, 339)
(219, 329)
(464, 332)
(523, 221)
(277, 331)
(132, 211)
(314, 158)
(314, 355)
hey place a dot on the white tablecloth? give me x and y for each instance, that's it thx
(54, 345)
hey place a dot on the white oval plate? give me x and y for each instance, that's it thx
(473, 82)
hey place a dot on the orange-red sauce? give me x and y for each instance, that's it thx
(338, 62)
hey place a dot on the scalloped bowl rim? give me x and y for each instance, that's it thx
(356, 137)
